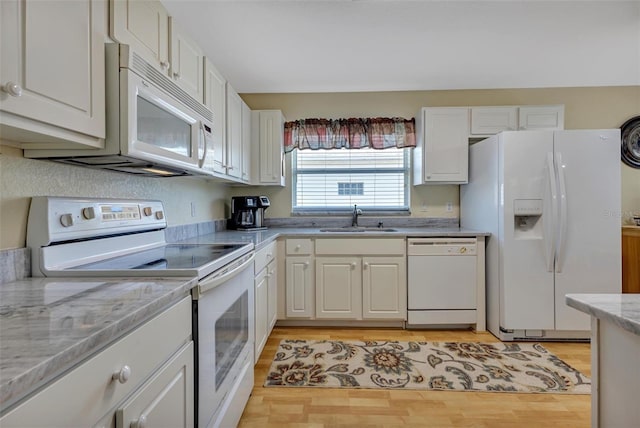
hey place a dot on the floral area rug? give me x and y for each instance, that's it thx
(455, 366)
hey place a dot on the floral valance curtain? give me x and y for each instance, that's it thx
(355, 133)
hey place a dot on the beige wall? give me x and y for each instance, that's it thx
(585, 108)
(22, 178)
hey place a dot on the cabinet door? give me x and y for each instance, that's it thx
(339, 287)
(272, 300)
(52, 57)
(166, 399)
(491, 120)
(268, 141)
(246, 143)
(384, 288)
(186, 62)
(261, 312)
(234, 133)
(143, 24)
(541, 117)
(215, 96)
(299, 287)
(445, 145)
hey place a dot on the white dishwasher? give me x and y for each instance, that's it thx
(442, 281)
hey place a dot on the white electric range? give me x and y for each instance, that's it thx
(97, 238)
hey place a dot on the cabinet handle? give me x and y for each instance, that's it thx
(123, 375)
(164, 65)
(140, 423)
(13, 89)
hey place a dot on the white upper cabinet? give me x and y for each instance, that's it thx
(246, 143)
(186, 62)
(442, 151)
(267, 134)
(541, 117)
(491, 120)
(52, 75)
(234, 133)
(215, 96)
(143, 24)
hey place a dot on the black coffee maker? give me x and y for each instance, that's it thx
(247, 212)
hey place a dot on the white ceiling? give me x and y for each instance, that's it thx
(367, 45)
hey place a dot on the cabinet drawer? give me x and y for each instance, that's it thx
(360, 246)
(264, 257)
(88, 392)
(299, 247)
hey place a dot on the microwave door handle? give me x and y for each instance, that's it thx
(204, 139)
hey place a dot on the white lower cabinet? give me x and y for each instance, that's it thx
(266, 296)
(299, 287)
(144, 379)
(361, 288)
(338, 287)
(384, 288)
(166, 399)
(346, 279)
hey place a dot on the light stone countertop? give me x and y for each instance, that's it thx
(620, 309)
(48, 325)
(261, 238)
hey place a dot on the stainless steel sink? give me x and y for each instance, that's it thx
(358, 229)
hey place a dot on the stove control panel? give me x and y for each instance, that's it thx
(59, 219)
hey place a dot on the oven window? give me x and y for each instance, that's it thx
(232, 333)
(162, 129)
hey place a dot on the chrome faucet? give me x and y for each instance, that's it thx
(354, 215)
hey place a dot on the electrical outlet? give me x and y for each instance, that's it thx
(449, 207)
(193, 209)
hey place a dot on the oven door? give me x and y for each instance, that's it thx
(156, 127)
(223, 313)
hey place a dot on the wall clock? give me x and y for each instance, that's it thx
(630, 135)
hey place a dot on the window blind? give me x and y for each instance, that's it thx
(337, 179)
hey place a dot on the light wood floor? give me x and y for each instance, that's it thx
(325, 407)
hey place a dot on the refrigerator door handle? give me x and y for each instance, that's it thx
(562, 225)
(549, 216)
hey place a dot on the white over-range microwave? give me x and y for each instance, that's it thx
(154, 128)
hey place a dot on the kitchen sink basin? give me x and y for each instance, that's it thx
(358, 229)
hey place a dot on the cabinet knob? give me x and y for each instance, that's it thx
(365, 265)
(271, 273)
(123, 375)
(306, 264)
(298, 247)
(164, 65)
(353, 265)
(13, 89)
(176, 75)
(269, 255)
(140, 423)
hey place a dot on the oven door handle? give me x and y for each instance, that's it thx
(211, 283)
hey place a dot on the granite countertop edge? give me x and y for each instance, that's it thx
(622, 310)
(261, 238)
(14, 389)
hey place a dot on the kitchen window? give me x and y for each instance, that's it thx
(335, 180)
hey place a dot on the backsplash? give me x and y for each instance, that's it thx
(15, 264)
(186, 231)
(337, 221)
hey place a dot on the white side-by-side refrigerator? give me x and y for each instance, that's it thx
(552, 201)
